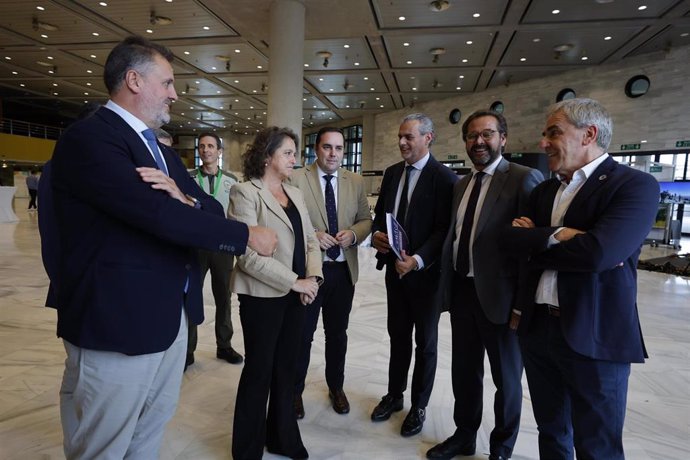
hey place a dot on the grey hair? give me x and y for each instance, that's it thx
(582, 113)
(426, 126)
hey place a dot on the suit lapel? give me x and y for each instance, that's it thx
(314, 182)
(396, 173)
(497, 182)
(343, 195)
(598, 178)
(140, 153)
(271, 203)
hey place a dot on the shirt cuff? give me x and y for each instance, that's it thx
(420, 262)
(552, 238)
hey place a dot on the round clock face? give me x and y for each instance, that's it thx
(497, 107)
(637, 86)
(565, 94)
(454, 116)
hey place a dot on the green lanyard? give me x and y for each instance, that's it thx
(200, 177)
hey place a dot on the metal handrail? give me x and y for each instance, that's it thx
(24, 128)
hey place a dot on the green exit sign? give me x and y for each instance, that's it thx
(655, 169)
(683, 144)
(630, 146)
(452, 157)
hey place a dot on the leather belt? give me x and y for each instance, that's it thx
(551, 310)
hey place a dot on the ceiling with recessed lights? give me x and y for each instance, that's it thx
(359, 56)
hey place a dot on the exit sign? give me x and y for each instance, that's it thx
(630, 146)
(683, 144)
(655, 169)
(452, 157)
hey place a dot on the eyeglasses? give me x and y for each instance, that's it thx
(487, 134)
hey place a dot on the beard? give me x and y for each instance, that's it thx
(482, 155)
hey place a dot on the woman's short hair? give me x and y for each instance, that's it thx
(265, 144)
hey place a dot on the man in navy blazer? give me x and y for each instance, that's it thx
(418, 191)
(128, 217)
(577, 316)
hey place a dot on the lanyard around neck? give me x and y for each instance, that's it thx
(200, 177)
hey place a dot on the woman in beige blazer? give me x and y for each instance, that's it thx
(273, 292)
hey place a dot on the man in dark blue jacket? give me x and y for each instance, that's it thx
(128, 217)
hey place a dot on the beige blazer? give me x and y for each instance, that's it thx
(261, 276)
(353, 208)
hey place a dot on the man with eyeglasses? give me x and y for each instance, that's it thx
(479, 284)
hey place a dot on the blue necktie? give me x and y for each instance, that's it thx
(462, 263)
(334, 251)
(402, 206)
(151, 140)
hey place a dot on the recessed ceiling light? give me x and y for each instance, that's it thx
(464, 60)
(643, 141)
(236, 81)
(254, 91)
(259, 67)
(95, 34)
(44, 36)
(378, 98)
(366, 78)
(356, 63)
(381, 106)
(476, 15)
(372, 89)
(406, 44)
(536, 40)
(401, 18)
(56, 93)
(523, 59)
(218, 92)
(330, 89)
(414, 88)
(347, 106)
(608, 37)
(306, 65)
(237, 51)
(320, 79)
(187, 53)
(684, 34)
(206, 28)
(22, 85)
(469, 42)
(555, 11)
(584, 58)
(642, 7)
(85, 93)
(346, 46)
(304, 99)
(103, 4)
(14, 72)
(197, 82)
(88, 83)
(51, 71)
(237, 100)
(409, 62)
(461, 76)
(50, 57)
(55, 84)
(8, 58)
(149, 31)
(213, 68)
(89, 71)
(93, 56)
(40, 8)
(458, 88)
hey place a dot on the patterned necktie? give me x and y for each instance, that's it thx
(402, 206)
(462, 265)
(331, 212)
(153, 145)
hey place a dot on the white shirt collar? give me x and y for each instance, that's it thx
(419, 165)
(489, 169)
(322, 173)
(587, 170)
(135, 123)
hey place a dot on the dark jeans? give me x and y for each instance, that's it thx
(33, 194)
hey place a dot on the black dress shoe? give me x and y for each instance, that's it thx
(229, 355)
(386, 407)
(299, 407)
(451, 447)
(339, 401)
(498, 457)
(189, 361)
(299, 454)
(413, 422)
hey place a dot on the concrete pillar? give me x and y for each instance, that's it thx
(286, 66)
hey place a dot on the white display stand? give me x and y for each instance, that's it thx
(6, 212)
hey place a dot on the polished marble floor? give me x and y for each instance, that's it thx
(31, 361)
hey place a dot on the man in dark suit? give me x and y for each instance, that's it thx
(418, 191)
(128, 216)
(339, 213)
(479, 283)
(577, 316)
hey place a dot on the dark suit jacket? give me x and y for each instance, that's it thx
(427, 215)
(47, 228)
(126, 249)
(597, 294)
(495, 271)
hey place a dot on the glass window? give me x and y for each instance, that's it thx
(309, 151)
(352, 157)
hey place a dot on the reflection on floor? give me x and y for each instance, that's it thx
(31, 361)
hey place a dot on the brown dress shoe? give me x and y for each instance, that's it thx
(339, 401)
(299, 407)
